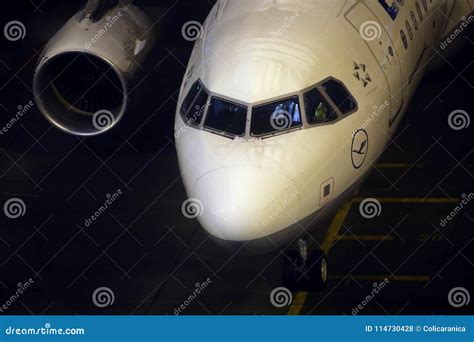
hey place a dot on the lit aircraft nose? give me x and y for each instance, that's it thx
(242, 203)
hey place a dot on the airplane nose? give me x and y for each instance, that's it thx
(244, 203)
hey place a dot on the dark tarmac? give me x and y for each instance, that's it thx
(153, 258)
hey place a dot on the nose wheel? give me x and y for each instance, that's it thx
(303, 270)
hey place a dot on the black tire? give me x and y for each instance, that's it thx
(291, 264)
(316, 272)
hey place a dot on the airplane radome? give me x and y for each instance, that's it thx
(284, 107)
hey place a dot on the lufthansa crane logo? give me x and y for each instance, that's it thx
(360, 148)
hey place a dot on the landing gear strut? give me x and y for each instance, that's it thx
(303, 270)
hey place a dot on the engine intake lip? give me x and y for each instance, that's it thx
(93, 111)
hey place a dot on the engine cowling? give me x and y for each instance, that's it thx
(85, 72)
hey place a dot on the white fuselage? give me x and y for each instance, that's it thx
(256, 51)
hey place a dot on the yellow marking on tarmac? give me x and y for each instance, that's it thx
(397, 165)
(421, 278)
(412, 200)
(298, 303)
(405, 165)
(333, 235)
(365, 237)
(335, 227)
(326, 246)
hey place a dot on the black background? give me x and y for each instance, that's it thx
(136, 248)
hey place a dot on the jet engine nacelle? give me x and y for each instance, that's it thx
(84, 74)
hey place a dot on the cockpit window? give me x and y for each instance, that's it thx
(226, 117)
(317, 108)
(188, 100)
(326, 102)
(194, 104)
(276, 116)
(340, 96)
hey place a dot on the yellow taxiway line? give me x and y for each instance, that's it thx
(365, 237)
(421, 278)
(332, 235)
(430, 200)
(335, 227)
(326, 246)
(298, 303)
(397, 166)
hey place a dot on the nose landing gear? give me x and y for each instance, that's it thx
(303, 270)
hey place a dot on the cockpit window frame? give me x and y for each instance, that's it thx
(328, 100)
(305, 124)
(216, 131)
(344, 115)
(203, 115)
(277, 132)
(340, 115)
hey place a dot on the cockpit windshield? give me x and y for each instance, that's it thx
(324, 103)
(318, 109)
(194, 105)
(340, 96)
(226, 117)
(275, 117)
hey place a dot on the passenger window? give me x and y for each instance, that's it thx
(340, 96)
(318, 110)
(413, 18)
(194, 105)
(276, 116)
(409, 30)
(226, 117)
(404, 39)
(418, 10)
(392, 9)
